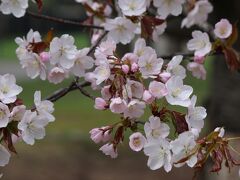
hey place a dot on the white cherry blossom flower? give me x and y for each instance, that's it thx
(4, 156)
(198, 15)
(33, 65)
(178, 94)
(223, 29)
(32, 127)
(133, 89)
(57, 75)
(63, 51)
(132, 7)
(100, 134)
(198, 70)
(137, 141)
(15, 7)
(159, 154)
(109, 150)
(141, 48)
(149, 64)
(167, 7)
(182, 147)
(44, 107)
(135, 109)
(118, 105)
(23, 43)
(4, 115)
(158, 89)
(155, 129)
(120, 29)
(106, 48)
(175, 68)
(195, 115)
(102, 73)
(82, 63)
(200, 43)
(17, 113)
(8, 88)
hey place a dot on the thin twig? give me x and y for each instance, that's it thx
(62, 21)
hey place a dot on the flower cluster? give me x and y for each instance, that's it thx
(16, 122)
(54, 59)
(128, 84)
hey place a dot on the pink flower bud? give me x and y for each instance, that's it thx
(125, 68)
(100, 103)
(148, 97)
(44, 57)
(118, 105)
(100, 134)
(134, 67)
(56, 75)
(165, 76)
(105, 92)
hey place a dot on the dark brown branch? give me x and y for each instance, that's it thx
(62, 21)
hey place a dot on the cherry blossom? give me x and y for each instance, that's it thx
(178, 94)
(100, 104)
(4, 115)
(223, 29)
(198, 15)
(8, 88)
(32, 127)
(100, 134)
(159, 154)
(174, 67)
(57, 75)
(137, 141)
(118, 105)
(167, 7)
(156, 129)
(132, 7)
(63, 51)
(4, 156)
(157, 89)
(109, 150)
(135, 109)
(200, 43)
(15, 7)
(120, 29)
(197, 70)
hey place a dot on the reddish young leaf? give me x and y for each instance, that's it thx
(148, 23)
(181, 124)
(232, 58)
(234, 36)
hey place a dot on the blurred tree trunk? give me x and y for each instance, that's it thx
(224, 102)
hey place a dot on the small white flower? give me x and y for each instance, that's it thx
(118, 105)
(167, 7)
(159, 154)
(44, 108)
(195, 115)
(17, 113)
(16, 7)
(106, 48)
(132, 7)
(175, 68)
(82, 63)
(135, 109)
(198, 70)
(200, 43)
(157, 89)
(33, 65)
(4, 115)
(149, 64)
(102, 73)
(8, 88)
(109, 150)
(223, 29)
(4, 156)
(32, 127)
(182, 147)
(198, 15)
(156, 129)
(57, 75)
(220, 130)
(63, 51)
(120, 29)
(140, 47)
(178, 94)
(137, 141)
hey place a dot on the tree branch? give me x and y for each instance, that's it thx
(62, 21)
